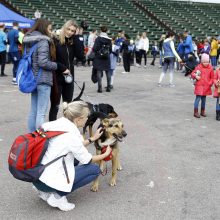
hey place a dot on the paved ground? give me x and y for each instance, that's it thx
(170, 159)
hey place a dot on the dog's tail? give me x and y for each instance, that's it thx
(80, 94)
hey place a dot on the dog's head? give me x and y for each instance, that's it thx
(113, 129)
(108, 110)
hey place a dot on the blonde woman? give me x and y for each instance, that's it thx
(67, 47)
(62, 177)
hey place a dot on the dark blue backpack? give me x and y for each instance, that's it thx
(26, 80)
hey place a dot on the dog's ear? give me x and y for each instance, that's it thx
(105, 122)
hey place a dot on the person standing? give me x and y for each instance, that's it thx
(154, 52)
(137, 51)
(187, 43)
(126, 54)
(42, 66)
(113, 60)
(102, 49)
(14, 54)
(169, 54)
(213, 52)
(91, 41)
(3, 42)
(68, 46)
(144, 47)
(204, 76)
(217, 93)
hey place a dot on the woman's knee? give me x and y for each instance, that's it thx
(95, 169)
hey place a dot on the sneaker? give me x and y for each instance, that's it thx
(137, 65)
(13, 82)
(171, 85)
(43, 195)
(124, 72)
(145, 66)
(60, 203)
(159, 84)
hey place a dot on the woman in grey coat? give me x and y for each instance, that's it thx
(42, 66)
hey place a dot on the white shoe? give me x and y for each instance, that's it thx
(145, 66)
(171, 85)
(43, 195)
(159, 84)
(60, 203)
(124, 72)
(137, 65)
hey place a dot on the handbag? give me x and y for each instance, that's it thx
(94, 76)
(91, 56)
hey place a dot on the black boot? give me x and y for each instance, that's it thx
(99, 90)
(108, 89)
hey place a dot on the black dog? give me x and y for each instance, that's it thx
(100, 111)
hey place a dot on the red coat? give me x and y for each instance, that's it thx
(203, 86)
(216, 78)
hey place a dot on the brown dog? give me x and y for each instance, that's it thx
(113, 132)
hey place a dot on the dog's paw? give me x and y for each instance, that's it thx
(119, 168)
(94, 188)
(113, 182)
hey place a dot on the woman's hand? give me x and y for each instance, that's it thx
(97, 134)
(108, 151)
(66, 72)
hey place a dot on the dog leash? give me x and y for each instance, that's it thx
(105, 171)
(83, 92)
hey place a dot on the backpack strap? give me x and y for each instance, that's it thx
(64, 166)
(33, 48)
(54, 160)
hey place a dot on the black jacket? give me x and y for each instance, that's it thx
(124, 47)
(99, 63)
(66, 53)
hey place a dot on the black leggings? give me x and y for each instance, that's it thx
(66, 91)
(143, 52)
(126, 61)
(2, 61)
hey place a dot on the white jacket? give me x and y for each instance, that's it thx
(143, 44)
(91, 40)
(70, 143)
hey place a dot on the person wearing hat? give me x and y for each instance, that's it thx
(3, 42)
(204, 75)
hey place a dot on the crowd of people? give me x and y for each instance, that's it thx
(54, 60)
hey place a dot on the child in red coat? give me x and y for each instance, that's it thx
(217, 93)
(204, 75)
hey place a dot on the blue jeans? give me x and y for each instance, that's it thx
(15, 58)
(213, 61)
(217, 104)
(84, 174)
(197, 100)
(161, 58)
(39, 103)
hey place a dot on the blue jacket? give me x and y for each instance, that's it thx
(180, 48)
(3, 40)
(13, 35)
(188, 47)
(167, 51)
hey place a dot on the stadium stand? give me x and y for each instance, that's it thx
(132, 16)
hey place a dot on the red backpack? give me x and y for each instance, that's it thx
(27, 152)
